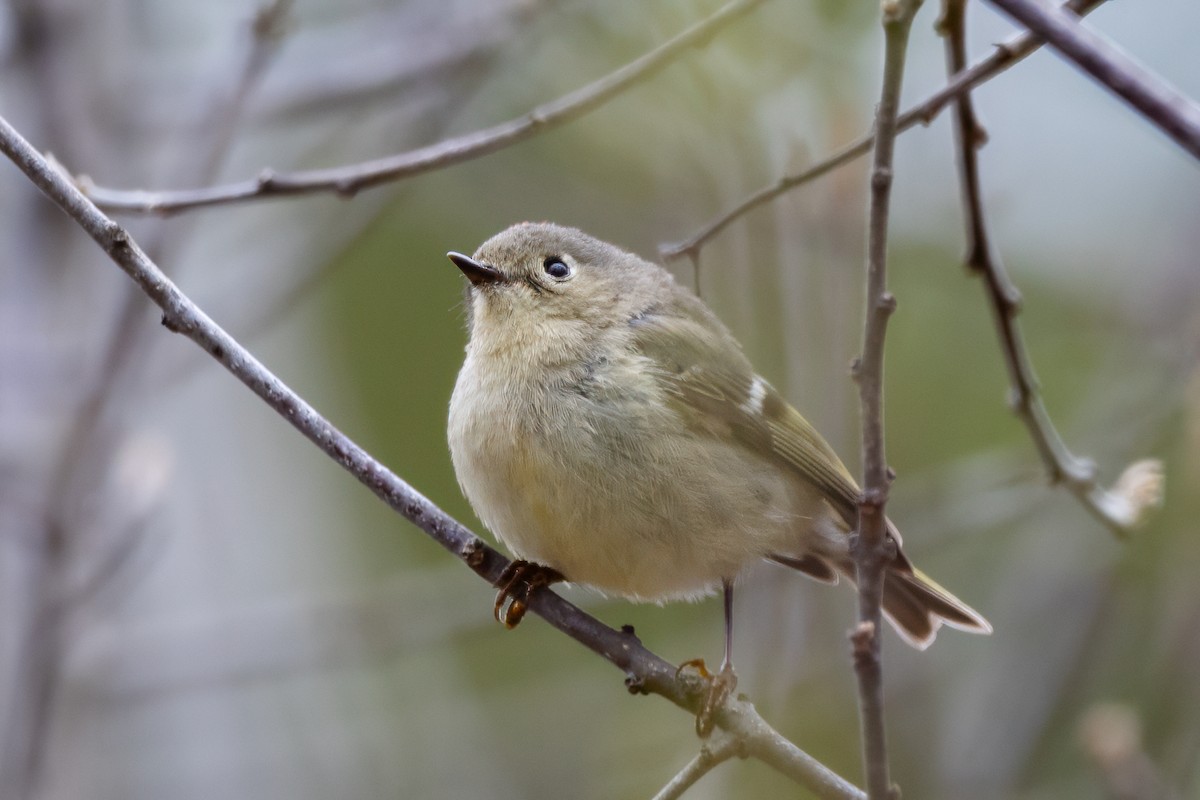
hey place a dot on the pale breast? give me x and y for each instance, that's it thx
(608, 486)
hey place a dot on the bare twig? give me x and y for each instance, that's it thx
(715, 750)
(346, 181)
(1158, 101)
(1006, 55)
(873, 549)
(1124, 506)
(645, 672)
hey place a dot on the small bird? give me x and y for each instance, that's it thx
(607, 428)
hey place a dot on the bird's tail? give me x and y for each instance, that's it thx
(917, 606)
(912, 601)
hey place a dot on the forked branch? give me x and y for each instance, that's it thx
(1168, 109)
(1005, 56)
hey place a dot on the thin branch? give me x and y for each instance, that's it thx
(1162, 104)
(267, 32)
(1005, 56)
(1121, 508)
(716, 750)
(874, 549)
(346, 181)
(645, 672)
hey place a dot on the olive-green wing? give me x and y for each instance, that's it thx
(716, 390)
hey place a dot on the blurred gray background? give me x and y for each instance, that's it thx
(195, 603)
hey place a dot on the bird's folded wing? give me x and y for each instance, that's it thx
(716, 391)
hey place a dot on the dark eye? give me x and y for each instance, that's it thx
(556, 268)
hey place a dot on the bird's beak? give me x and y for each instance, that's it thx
(478, 274)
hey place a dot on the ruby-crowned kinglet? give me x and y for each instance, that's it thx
(607, 427)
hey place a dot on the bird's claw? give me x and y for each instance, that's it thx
(519, 580)
(720, 687)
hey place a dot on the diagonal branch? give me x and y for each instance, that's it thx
(1005, 56)
(713, 752)
(1162, 104)
(1121, 508)
(645, 672)
(346, 181)
(874, 549)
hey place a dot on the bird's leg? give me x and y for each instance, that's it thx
(721, 685)
(516, 583)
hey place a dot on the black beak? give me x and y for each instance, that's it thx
(478, 274)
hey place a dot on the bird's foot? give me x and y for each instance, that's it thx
(519, 580)
(720, 687)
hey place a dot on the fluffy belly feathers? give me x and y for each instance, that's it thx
(578, 486)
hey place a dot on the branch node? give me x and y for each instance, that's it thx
(881, 179)
(171, 322)
(886, 303)
(856, 368)
(635, 683)
(1004, 51)
(473, 553)
(862, 638)
(1017, 401)
(115, 236)
(266, 179)
(979, 135)
(872, 501)
(1012, 301)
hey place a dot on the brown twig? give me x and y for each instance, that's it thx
(1005, 56)
(346, 181)
(1162, 104)
(873, 549)
(1121, 508)
(645, 671)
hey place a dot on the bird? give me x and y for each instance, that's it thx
(608, 429)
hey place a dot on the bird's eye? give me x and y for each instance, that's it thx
(556, 268)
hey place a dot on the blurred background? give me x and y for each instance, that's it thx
(196, 603)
